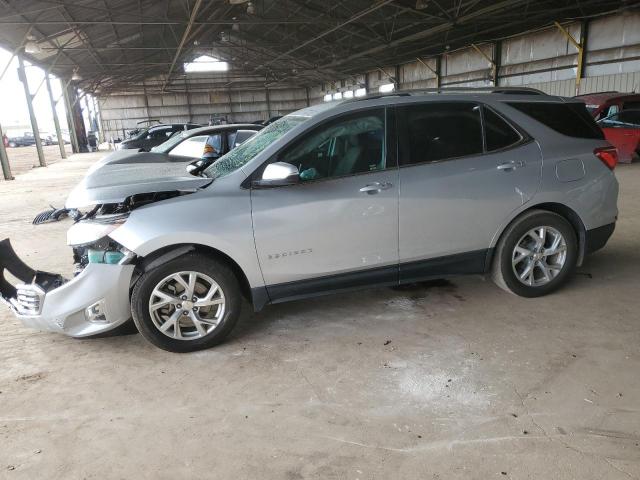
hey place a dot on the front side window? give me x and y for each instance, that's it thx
(440, 131)
(498, 133)
(346, 146)
(190, 148)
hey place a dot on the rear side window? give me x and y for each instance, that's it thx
(439, 131)
(570, 119)
(499, 134)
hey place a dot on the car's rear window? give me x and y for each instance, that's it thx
(571, 119)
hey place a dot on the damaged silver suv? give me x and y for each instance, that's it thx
(376, 191)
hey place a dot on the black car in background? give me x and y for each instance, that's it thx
(155, 135)
(25, 140)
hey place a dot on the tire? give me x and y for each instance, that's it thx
(186, 334)
(533, 270)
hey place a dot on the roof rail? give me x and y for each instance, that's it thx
(408, 93)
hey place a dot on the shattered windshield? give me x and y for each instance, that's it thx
(240, 156)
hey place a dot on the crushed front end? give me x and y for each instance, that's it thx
(94, 301)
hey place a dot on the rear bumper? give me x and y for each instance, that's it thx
(597, 238)
(94, 302)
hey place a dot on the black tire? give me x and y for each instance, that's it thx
(196, 262)
(502, 271)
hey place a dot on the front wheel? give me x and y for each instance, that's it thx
(536, 254)
(188, 304)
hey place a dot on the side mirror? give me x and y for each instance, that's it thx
(278, 174)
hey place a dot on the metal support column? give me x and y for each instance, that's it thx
(308, 97)
(432, 70)
(580, 47)
(492, 62)
(268, 104)
(4, 159)
(32, 116)
(56, 122)
(70, 120)
(497, 63)
(98, 113)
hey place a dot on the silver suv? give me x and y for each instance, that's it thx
(370, 192)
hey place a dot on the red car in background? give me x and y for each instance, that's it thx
(622, 130)
(605, 104)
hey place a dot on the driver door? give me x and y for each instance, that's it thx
(337, 228)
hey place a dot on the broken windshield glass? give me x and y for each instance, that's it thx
(243, 154)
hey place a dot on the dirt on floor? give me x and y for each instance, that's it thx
(443, 380)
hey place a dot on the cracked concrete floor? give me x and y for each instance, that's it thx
(443, 380)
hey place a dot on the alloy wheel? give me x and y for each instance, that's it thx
(539, 256)
(187, 305)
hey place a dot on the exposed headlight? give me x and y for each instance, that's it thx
(90, 231)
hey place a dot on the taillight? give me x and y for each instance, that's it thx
(608, 156)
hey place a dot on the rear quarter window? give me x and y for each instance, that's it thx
(570, 119)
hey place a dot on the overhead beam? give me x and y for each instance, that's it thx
(352, 19)
(185, 35)
(444, 27)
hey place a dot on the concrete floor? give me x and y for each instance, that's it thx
(443, 381)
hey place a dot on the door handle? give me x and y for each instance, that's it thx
(509, 166)
(375, 187)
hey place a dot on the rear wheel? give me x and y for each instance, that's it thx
(536, 255)
(188, 304)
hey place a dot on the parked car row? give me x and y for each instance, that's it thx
(27, 139)
(374, 191)
(148, 138)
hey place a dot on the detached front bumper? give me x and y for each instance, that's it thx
(93, 302)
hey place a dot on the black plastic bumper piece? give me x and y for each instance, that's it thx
(597, 238)
(10, 262)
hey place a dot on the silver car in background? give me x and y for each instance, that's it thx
(378, 191)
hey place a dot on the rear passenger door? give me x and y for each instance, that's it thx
(459, 181)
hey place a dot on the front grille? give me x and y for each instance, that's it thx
(29, 299)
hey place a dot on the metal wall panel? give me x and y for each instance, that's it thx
(545, 60)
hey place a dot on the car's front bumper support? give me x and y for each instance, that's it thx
(93, 302)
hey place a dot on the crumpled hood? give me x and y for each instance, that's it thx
(114, 183)
(129, 156)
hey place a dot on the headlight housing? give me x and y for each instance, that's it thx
(87, 232)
